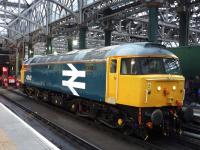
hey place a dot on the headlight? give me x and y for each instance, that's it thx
(174, 88)
(159, 88)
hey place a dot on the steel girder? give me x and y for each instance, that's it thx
(7, 16)
(8, 28)
(66, 9)
(12, 4)
(129, 22)
(38, 12)
(132, 25)
(20, 16)
(128, 19)
(9, 39)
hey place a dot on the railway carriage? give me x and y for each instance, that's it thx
(135, 87)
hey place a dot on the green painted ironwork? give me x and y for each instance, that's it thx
(189, 58)
(30, 50)
(153, 24)
(184, 28)
(107, 37)
(70, 44)
(82, 37)
(49, 45)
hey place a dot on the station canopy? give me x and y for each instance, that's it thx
(40, 21)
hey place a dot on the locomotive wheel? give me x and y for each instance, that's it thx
(36, 95)
(73, 107)
(28, 92)
(57, 100)
(127, 130)
(119, 121)
(45, 96)
(142, 133)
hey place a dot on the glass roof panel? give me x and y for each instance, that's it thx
(29, 1)
(16, 1)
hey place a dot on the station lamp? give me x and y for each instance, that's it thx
(55, 53)
(75, 42)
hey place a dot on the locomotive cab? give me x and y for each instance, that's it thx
(145, 81)
(152, 85)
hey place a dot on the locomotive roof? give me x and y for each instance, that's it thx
(140, 48)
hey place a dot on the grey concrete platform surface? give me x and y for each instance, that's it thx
(15, 134)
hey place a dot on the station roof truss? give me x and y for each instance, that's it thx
(36, 20)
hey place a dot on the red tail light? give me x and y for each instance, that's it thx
(5, 80)
(165, 92)
(17, 83)
(179, 104)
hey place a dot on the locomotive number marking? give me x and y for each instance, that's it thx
(71, 84)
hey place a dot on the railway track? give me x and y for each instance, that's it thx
(196, 119)
(65, 132)
(81, 141)
(130, 143)
(193, 128)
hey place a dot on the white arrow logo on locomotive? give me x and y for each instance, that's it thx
(71, 84)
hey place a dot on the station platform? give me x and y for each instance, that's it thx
(15, 134)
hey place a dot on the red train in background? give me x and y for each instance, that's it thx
(8, 78)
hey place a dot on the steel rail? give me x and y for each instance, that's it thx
(188, 138)
(61, 130)
(131, 139)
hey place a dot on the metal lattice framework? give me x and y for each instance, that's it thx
(37, 20)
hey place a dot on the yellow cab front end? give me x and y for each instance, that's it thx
(151, 90)
(145, 81)
(152, 86)
(163, 90)
(22, 72)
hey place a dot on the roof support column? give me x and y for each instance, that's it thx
(153, 24)
(153, 20)
(49, 45)
(22, 52)
(30, 50)
(82, 37)
(70, 45)
(107, 36)
(17, 62)
(184, 15)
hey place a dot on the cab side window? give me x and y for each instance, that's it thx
(113, 66)
(34, 60)
(128, 66)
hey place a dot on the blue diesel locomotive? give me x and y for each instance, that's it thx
(135, 87)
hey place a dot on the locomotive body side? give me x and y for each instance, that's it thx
(86, 80)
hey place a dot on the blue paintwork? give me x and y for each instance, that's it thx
(141, 48)
(46, 72)
(50, 77)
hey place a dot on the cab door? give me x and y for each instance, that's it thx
(112, 81)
